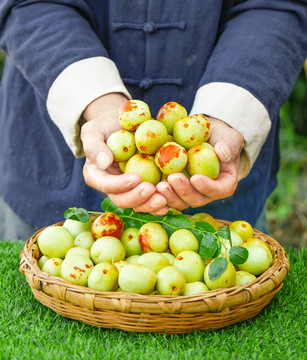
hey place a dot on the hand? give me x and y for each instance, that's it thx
(200, 190)
(101, 172)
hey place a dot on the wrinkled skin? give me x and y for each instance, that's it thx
(128, 191)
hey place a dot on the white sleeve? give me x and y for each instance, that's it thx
(75, 88)
(239, 109)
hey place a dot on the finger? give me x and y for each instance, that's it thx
(93, 139)
(161, 212)
(135, 198)
(154, 204)
(106, 182)
(184, 189)
(227, 142)
(173, 200)
(224, 186)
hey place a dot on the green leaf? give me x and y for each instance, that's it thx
(179, 221)
(238, 255)
(205, 226)
(78, 214)
(199, 235)
(134, 219)
(108, 205)
(208, 245)
(224, 232)
(218, 250)
(217, 268)
(204, 232)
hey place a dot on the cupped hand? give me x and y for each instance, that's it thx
(102, 172)
(200, 190)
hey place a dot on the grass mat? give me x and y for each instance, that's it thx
(30, 330)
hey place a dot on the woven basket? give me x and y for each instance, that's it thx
(155, 313)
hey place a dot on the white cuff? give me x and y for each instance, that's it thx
(75, 88)
(239, 109)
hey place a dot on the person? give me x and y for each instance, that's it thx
(71, 64)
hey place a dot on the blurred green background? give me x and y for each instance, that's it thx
(287, 205)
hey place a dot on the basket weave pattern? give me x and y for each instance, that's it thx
(155, 313)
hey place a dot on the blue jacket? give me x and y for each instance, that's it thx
(164, 50)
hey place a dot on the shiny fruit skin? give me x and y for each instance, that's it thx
(76, 227)
(132, 114)
(169, 113)
(153, 238)
(53, 267)
(236, 240)
(243, 228)
(206, 218)
(103, 277)
(257, 242)
(133, 259)
(42, 260)
(120, 264)
(196, 287)
(107, 249)
(243, 277)
(226, 280)
(257, 262)
(191, 265)
(130, 240)
(169, 256)
(122, 145)
(55, 241)
(149, 136)
(188, 132)
(122, 166)
(76, 269)
(145, 167)
(202, 160)
(84, 240)
(78, 251)
(107, 224)
(171, 158)
(155, 261)
(137, 278)
(181, 240)
(170, 281)
(206, 124)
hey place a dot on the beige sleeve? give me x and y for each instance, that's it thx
(75, 88)
(239, 109)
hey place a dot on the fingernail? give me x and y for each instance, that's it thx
(103, 160)
(225, 151)
(178, 181)
(157, 203)
(146, 192)
(165, 191)
(198, 182)
(133, 183)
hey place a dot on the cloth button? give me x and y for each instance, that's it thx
(145, 84)
(149, 27)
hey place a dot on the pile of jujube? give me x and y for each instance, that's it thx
(154, 149)
(105, 256)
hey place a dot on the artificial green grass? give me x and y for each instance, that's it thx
(29, 330)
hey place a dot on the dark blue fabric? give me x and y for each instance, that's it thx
(164, 50)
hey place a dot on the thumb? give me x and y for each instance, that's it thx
(229, 147)
(93, 139)
(227, 142)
